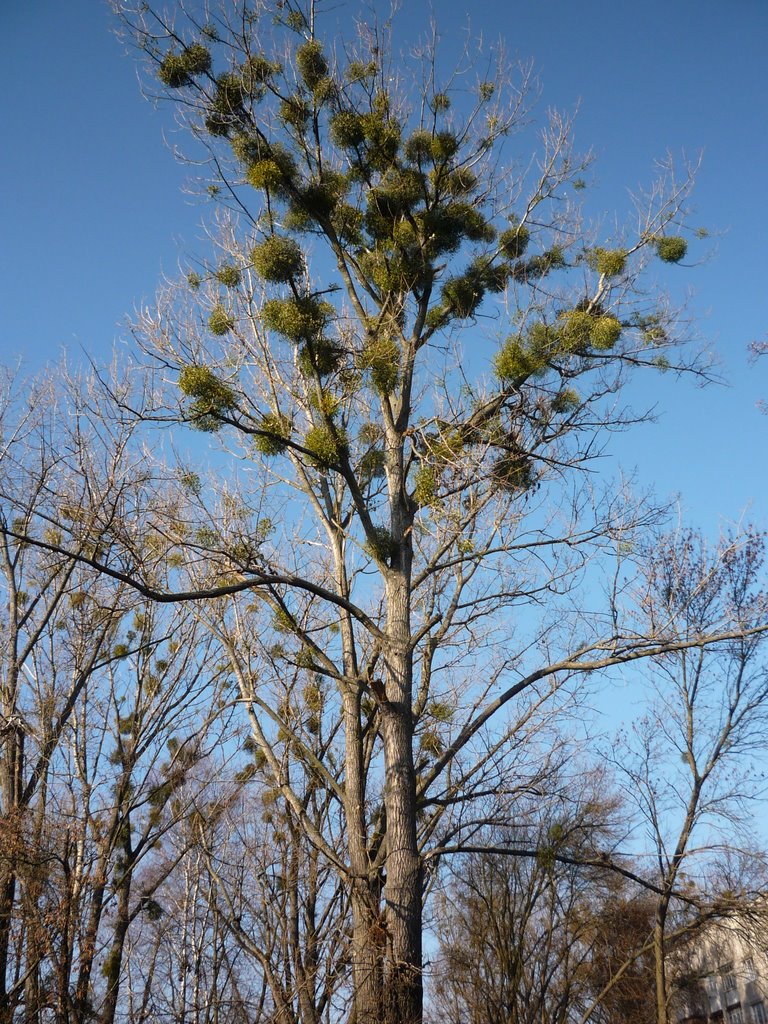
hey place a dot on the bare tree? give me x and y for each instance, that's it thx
(519, 935)
(689, 762)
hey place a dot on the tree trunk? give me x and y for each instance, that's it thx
(403, 888)
(402, 892)
(660, 969)
(12, 784)
(366, 950)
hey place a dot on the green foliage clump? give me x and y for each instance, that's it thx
(313, 697)
(566, 401)
(425, 486)
(265, 174)
(463, 294)
(653, 329)
(443, 145)
(220, 322)
(324, 91)
(418, 147)
(513, 472)
(605, 332)
(582, 329)
(381, 357)
(512, 364)
(226, 105)
(311, 62)
(274, 440)
(295, 112)
(543, 264)
(316, 200)
(441, 102)
(228, 275)
(193, 280)
(319, 356)
(516, 361)
(325, 446)
(440, 711)
(277, 259)
(461, 182)
(487, 89)
(230, 93)
(173, 72)
(245, 774)
(268, 167)
(346, 129)
(248, 149)
(430, 743)
(382, 137)
(671, 248)
(258, 70)
(178, 69)
(301, 319)
(610, 262)
(305, 657)
(358, 72)
(492, 276)
(514, 241)
(211, 397)
(151, 908)
(380, 544)
(120, 651)
(347, 222)
(371, 465)
(197, 58)
(576, 330)
(282, 621)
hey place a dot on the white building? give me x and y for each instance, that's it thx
(722, 974)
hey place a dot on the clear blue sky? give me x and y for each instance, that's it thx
(92, 209)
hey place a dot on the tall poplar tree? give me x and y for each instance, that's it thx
(414, 349)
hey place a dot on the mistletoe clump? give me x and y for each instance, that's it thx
(277, 259)
(298, 320)
(220, 322)
(228, 275)
(211, 397)
(381, 357)
(565, 401)
(273, 436)
(380, 544)
(319, 357)
(311, 63)
(258, 70)
(462, 295)
(671, 248)
(609, 262)
(583, 329)
(178, 69)
(425, 486)
(325, 446)
(513, 472)
(517, 360)
(605, 332)
(514, 241)
(576, 330)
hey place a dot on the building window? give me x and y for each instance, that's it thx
(728, 978)
(748, 970)
(758, 1013)
(735, 1016)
